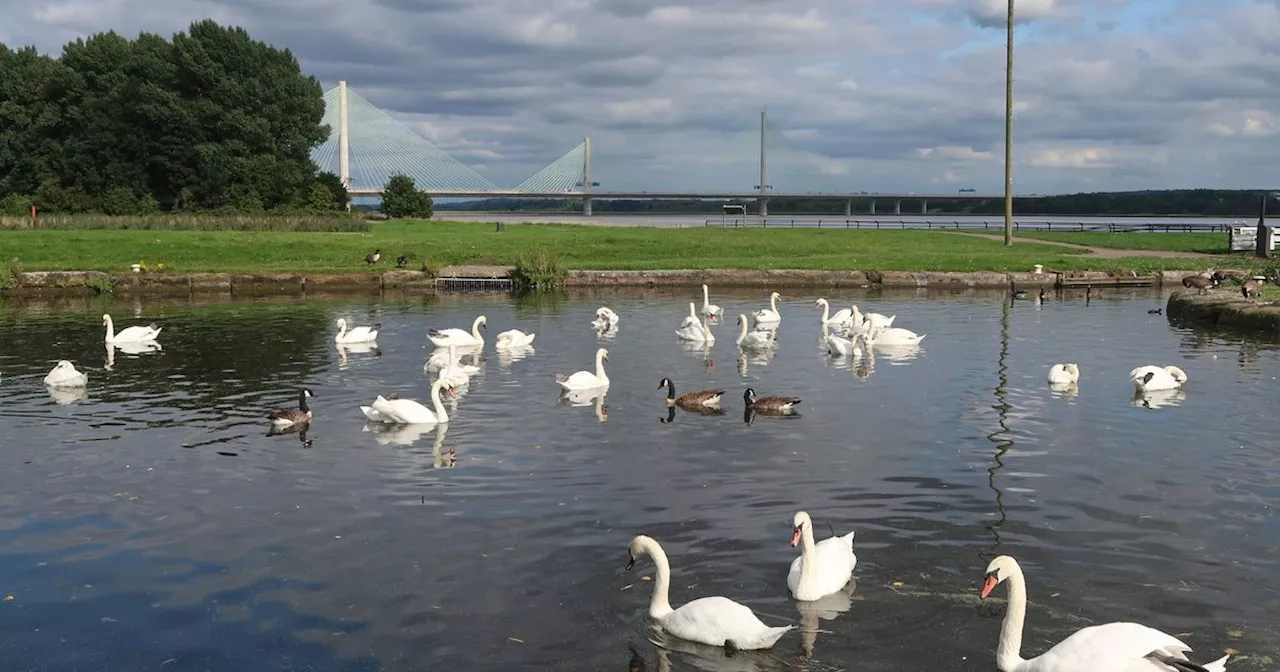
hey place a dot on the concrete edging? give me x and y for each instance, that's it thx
(1224, 310)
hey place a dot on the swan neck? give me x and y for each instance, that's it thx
(808, 549)
(706, 297)
(773, 302)
(660, 604)
(826, 312)
(600, 366)
(475, 329)
(111, 329)
(742, 336)
(342, 328)
(441, 416)
(1009, 652)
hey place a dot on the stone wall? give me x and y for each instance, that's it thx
(1223, 308)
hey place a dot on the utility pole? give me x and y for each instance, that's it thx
(1008, 130)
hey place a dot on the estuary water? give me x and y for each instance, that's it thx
(149, 522)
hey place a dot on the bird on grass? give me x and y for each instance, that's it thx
(372, 259)
(402, 261)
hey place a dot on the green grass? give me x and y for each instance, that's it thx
(1210, 243)
(574, 247)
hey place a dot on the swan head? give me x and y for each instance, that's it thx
(639, 548)
(482, 322)
(106, 319)
(799, 521)
(998, 571)
(775, 295)
(821, 302)
(65, 365)
(603, 354)
(342, 323)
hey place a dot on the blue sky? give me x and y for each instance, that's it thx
(870, 95)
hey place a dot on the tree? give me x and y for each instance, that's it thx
(337, 190)
(401, 198)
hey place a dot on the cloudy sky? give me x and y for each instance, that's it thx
(864, 94)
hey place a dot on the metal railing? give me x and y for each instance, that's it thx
(978, 225)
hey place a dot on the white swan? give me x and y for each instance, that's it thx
(1112, 647)
(355, 335)
(841, 346)
(893, 336)
(771, 313)
(512, 338)
(408, 411)
(699, 331)
(129, 334)
(1064, 374)
(842, 317)
(755, 339)
(691, 319)
(717, 621)
(455, 336)
(66, 375)
(605, 318)
(455, 373)
(585, 380)
(1151, 378)
(711, 309)
(877, 320)
(820, 569)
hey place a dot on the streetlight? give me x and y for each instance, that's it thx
(1008, 129)
(1262, 244)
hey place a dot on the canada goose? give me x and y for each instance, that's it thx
(402, 261)
(774, 403)
(1200, 282)
(372, 259)
(1252, 287)
(293, 416)
(695, 399)
(1156, 311)
(1224, 274)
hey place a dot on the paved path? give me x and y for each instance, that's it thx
(1108, 252)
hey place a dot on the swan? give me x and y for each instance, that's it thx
(711, 309)
(605, 318)
(691, 319)
(443, 337)
(287, 417)
(893, 336)
(66, 375)
(877, 320)
(841, 346)
(820, 569)
(698, 331)
(1112, 647)
(585, 380)
(1064, 374)
(129, 334)
(754, 339)
(1150, 378)
(771, 313)
(512, 338)
(454, 373)
(843, 317)
(407, 411)
(717, 621)
(355, 335)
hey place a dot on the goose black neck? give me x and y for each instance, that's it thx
(302, 402)
(671, 389)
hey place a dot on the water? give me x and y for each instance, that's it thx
(153, 524)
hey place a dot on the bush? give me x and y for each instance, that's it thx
(539, 269)
(401, 198)
(16, 205)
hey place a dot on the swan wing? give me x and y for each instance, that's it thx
(137, 334)
(1123, 647)
(580, 380)
(451, 335)
(411, 412)
(717, 620)
(1144, 370)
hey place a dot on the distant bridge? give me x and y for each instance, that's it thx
(370, 146)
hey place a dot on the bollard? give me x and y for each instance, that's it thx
(500, 226)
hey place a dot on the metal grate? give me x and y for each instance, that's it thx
(474, 284)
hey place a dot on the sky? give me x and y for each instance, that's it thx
(861, 95)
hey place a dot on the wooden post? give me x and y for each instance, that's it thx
(35, 221)
(1261, 249)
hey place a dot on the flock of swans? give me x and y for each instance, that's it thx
(821, 568)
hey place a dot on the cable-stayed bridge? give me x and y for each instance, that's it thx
(368, 146)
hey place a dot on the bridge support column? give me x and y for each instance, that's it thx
(586, 205)
(764, 206)
(873, 206)
(924, 206)
(897, 207)
(848, 208)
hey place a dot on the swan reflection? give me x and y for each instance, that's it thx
(134, 348)
(1064, 389)
(356, 349)
(896, 353)
(588, 397)
(825, 608)
(507, 356)
(703, 657)
(67, 395)
(1158, 398)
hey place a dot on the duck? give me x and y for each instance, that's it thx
(756, 339)
(773, 403)
(708, 308)
(771, 313)
(822, 568)
(1111, 647)
(402, 261)
(698, 331)
(585, 380)
(287, 417)
(372, 259)
(1064, 374)
(841, 318)
(1150, 378)
(132, 334)
(696, 400)
(396, 411)
(455, 336)
(715, 621)
(356, 334)
(64, 374)
(512, 338)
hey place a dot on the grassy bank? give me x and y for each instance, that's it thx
(574, 247)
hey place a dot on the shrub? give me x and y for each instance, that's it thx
(538, 269)
(401, 198)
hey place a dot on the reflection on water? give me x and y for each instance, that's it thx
(151, 522)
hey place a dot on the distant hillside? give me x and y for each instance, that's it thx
(1172, 202)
